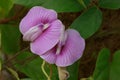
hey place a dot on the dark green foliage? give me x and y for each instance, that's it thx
(109, 4)
(10, 39)
(105, 68)
(88, 22)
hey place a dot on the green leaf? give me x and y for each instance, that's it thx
(88, 22)
(73, 71)
(102, 65)
(14, 73)
(10, 38)
(58, 5)
(0, 38)
(89, 78)
(63, 5)
(24, 55)
(5, 6)
(32, 68)
(26, 79)
(0, 65)
(82, 3)
(109, 4)
(115, 67)
(106, 69)
(30, 3)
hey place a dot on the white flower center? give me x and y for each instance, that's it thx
(34, 32)
(62, 40)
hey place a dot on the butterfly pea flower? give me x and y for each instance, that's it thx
(42, 28)
(49, 39)
(68, 50)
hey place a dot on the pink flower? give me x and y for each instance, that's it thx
(69, 49)
(49, 39)
(42, 28)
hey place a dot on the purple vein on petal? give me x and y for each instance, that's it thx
(61, 39)
(50, 56)
(48, 39)
(72, 50)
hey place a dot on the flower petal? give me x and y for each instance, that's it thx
(49, 56)
(35, 16)
(48, 39)
(72, 50)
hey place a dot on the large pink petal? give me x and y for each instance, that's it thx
(50, 56)
(72, 50)
(35, 16)
(48, 39)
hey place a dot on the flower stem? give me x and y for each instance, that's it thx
(43, 69)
